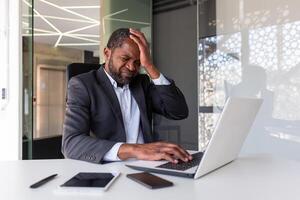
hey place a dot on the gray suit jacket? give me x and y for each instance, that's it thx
(93, 120)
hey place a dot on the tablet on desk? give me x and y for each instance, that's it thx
(88, 183)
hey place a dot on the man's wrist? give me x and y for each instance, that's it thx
(152, 71)
(127, 151)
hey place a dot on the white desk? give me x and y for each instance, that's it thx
(251, 177)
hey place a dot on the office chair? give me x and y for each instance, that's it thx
(74, 69)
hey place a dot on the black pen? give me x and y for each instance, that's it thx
(43, 181)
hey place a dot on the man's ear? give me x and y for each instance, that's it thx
(107, 53)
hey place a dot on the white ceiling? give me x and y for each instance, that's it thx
(67, 23)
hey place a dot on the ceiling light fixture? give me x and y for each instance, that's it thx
(61, 18)
(49, 23)
(58, 40)
(34, 10)
(69, 11)
(81, 29)
(109, 15)
(42, 30)
(129, 21)
(78, 44)
(72, 33)
(81, 7)
(86, 35)
(42, 34)
(81, 38)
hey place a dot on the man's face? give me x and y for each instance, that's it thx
(123, 62)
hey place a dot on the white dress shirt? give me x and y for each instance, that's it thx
(131, 116)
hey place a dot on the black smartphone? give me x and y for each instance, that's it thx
(149, 180)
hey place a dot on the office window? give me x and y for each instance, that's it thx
(253, 53)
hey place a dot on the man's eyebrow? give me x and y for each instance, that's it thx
(125, 57)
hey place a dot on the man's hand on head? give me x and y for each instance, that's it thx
(154, 151)
(145, 58)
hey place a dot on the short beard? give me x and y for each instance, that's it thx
(116, 75)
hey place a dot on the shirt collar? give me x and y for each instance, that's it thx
(113, 82)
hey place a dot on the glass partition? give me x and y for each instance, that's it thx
(125, 14)
(27, 68)
(254, 53)
(206, 34)
(64, 32)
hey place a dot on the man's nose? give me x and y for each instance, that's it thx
(130, 66)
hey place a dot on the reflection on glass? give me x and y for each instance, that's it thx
(254, 55)
(27, 63)
(64, 32)
(125, 14)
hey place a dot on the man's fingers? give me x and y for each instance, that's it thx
(180, 149)
(175, 152)
(164, 150)
(186, 154)
(136, 40)
(137, 33)
(140, 35)
(168, 157)
(183, 152)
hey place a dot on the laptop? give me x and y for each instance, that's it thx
(228, 137)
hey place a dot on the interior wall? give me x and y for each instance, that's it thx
(175, 55)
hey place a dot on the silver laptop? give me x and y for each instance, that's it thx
(228, 137)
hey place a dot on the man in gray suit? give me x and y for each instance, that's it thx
(109, 111)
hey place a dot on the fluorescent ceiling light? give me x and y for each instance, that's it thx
(81, 38)
(87, 39)
(115, 13)
(28, 4)
(80, 7)
(61, 18)
(69, 11)
(42, 34)
(86, 35)
(109, 15)
(129, 21)
(58, 40)
(78, 44)
(81, 29)
(49, 23)
(42, 30)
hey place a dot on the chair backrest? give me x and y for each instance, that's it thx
(74, 69)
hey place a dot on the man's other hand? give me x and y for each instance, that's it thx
(154, 151)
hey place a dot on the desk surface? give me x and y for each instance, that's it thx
(249, 177)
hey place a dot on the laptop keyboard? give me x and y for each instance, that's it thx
(182, 166)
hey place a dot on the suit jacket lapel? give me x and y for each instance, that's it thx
(138, 94)
(111, 95)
